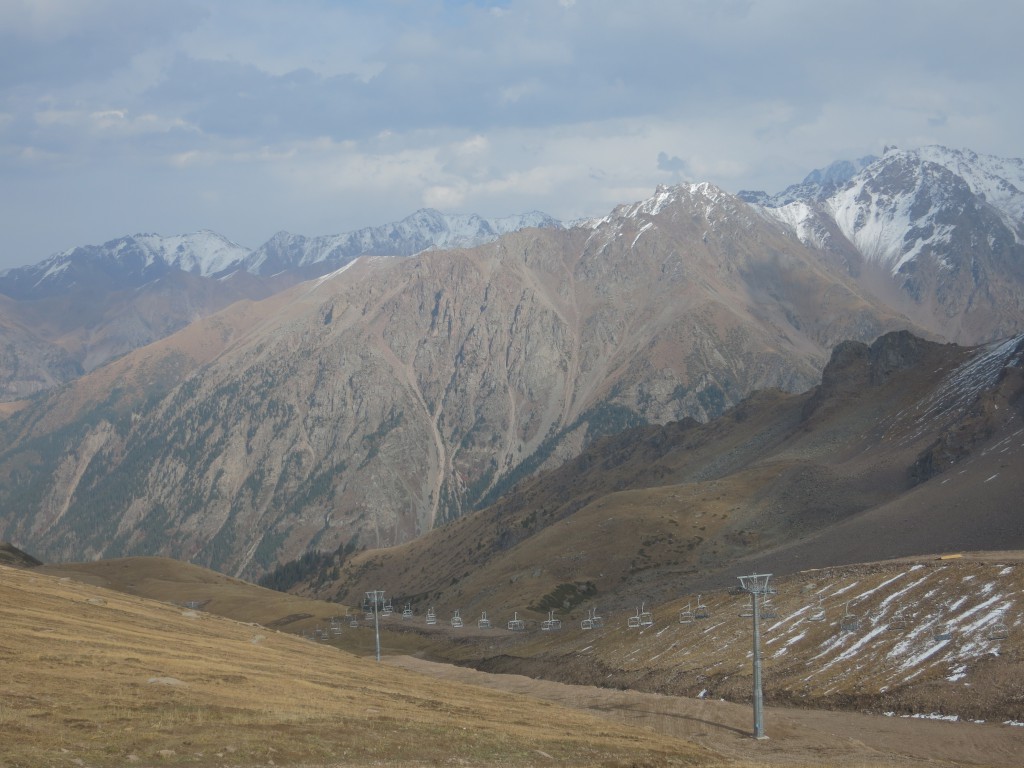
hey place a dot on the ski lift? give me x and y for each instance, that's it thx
(336, 625)
(387, 610)
(456, 619)
(686, 615)
(646, 617)
(407, 611)
(588, 623)
(551, 623)
(768, 608)
(748, 608)
(898, 620)
(701, 612)
(593, 621)
(353, 621)
(515, 624)
(633, 622)
(483, 622)
(849, 622)
(998, 631)
(431, 616)
(817, 613)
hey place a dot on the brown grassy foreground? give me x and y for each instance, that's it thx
(91, 677)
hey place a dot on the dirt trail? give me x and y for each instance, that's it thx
(797, 737)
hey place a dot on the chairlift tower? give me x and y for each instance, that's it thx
(376, 597)
(757, 584)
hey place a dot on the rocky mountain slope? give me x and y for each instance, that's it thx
(82, 307)
(399, 393)
(906, 448)
(937, 234)
(378, 400)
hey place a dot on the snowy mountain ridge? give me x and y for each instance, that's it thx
(423, 230)
(906, 203)
(134, 260)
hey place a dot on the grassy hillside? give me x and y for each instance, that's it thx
(93, 677)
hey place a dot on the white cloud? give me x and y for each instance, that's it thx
(320, 117)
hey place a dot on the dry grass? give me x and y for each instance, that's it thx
(92, 677)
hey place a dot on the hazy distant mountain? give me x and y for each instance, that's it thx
(127, 262)
(383, 399)
(87, 305)
(424, 230)
(388, 395)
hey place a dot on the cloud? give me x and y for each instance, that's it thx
(319, 117)
(672, 164)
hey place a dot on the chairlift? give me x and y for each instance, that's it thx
(431, 616)
(646, 617)
(701, 612)
(407, 611)
(817, 613)
(998, 631)
(849, 622)
(686, 615)
(768, 610)
(898, 620)
(515, 624)
(336, 625)
(748, 607)
(633, 622)
(483, 622)
(387, 610)
(456, 619)
(551, 623)
(588, 623)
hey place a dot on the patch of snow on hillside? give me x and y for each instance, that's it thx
(799, 218)
(961, 388)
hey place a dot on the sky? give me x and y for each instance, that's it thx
(319, 117)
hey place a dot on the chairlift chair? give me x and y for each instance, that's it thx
(646, 617)
(633, 622)
(998, 631)
(515, 624)
(407, 611)
(701, 612)
(898, 620)
(456, 619)
(686, 615)
(748, 607)
(768, 610)
(849, 622)
(387, 610)
(551, 623)
(817, 613)
(353, 621)
(483, 622)
(431, 616)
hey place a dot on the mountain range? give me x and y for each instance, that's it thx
(310, 398)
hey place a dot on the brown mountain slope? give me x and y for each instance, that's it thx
(907, 447)
(374, 403)
(89, 676)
